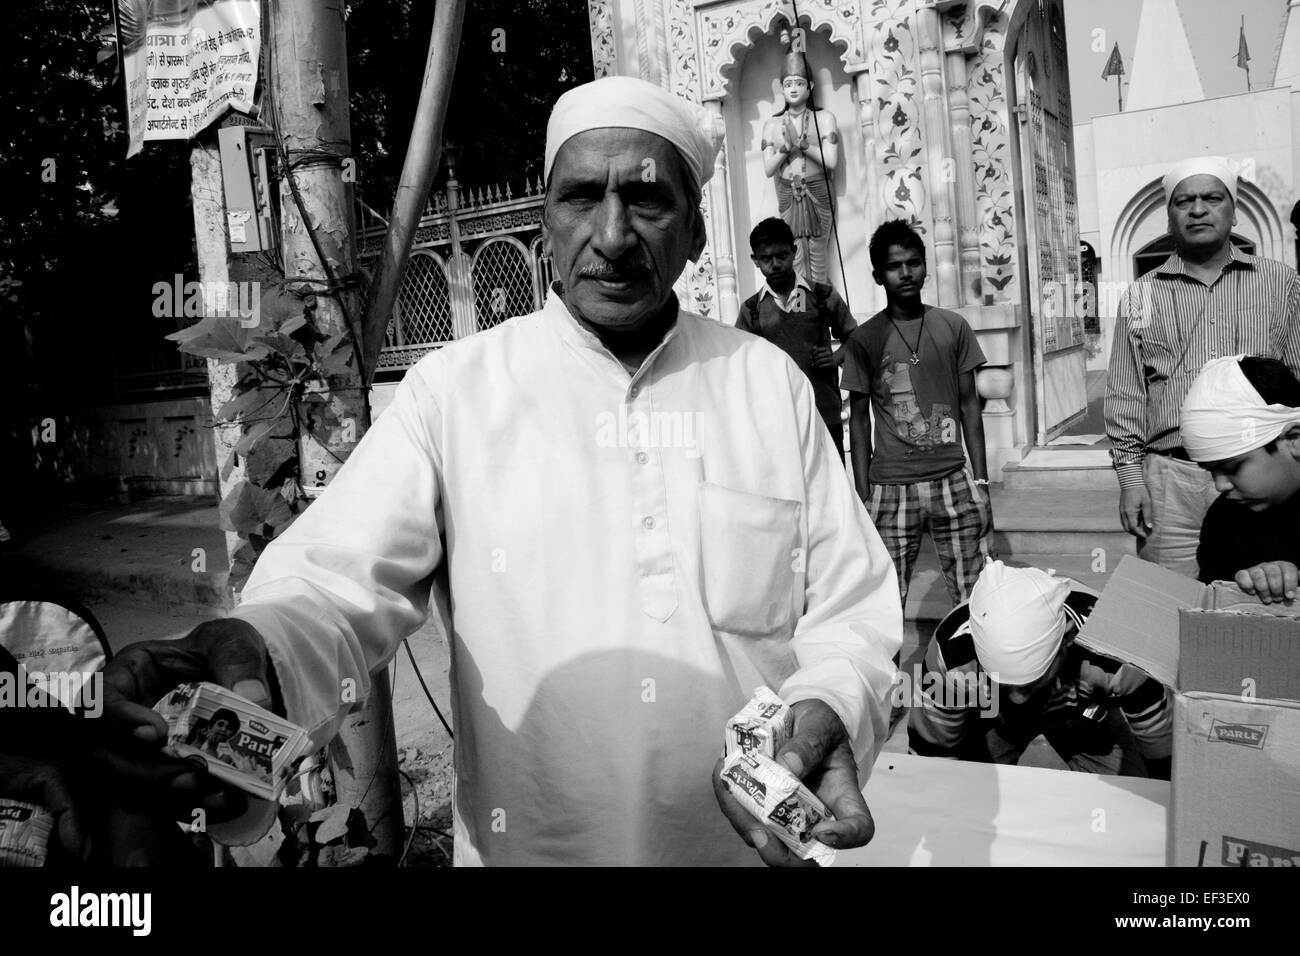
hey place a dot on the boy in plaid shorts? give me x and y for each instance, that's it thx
(914, 366)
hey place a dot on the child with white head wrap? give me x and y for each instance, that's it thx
(1224, 416)
(1017, 620)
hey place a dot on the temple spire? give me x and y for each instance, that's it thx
(1163, 71)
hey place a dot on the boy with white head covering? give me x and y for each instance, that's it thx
(1241, 423)
(1207, 299)
(1017, 633)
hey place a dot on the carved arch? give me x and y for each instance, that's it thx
(728, 29)
(1142, 219)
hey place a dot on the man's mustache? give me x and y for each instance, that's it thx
(609, 270)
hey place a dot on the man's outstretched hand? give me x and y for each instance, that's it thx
(819, 754)
(227, 652)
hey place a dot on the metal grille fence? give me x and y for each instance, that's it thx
(424, 303)
(487, 268)
(503, 281)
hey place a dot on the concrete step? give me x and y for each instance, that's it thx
(1040, 478)
(1083, 469)
(1046, 510)
(1110, 544)
(1046, 521)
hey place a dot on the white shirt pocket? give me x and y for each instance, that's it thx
(750, 556)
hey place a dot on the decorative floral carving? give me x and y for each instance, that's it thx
(964, 23)
(501, 222)
(898, 142)
(683, 58)
(990, 150)
(604, 58)
(430, 235)
(958, 25)
(697, 287)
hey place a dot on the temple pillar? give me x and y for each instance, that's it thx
(720, 235)
(972, 291)
(938, 158)
(873, 204)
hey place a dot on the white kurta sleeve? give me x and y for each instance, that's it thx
(852, 623)
(337, 592)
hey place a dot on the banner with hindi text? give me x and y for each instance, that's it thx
(185, 62)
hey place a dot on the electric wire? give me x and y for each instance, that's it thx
(415, 795)
(420, 677)
(333, 286)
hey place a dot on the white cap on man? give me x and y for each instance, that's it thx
(1215, 166)
(629, 103)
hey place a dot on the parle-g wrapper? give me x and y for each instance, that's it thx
(779, 801)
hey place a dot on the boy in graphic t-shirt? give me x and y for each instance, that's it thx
(914, 365)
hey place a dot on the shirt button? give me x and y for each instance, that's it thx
(649, 523)
(642, 458)
(632, 392)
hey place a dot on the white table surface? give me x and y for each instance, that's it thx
(934, 812)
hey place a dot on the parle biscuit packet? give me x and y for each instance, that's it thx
(764, 724)
(780, 801)
(237, 741)
(24, 833)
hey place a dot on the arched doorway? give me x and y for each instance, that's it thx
(1158, 250)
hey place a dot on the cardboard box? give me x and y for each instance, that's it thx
(1234, 665)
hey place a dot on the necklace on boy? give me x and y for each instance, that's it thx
(916, 358)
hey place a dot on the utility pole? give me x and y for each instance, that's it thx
(422, 153)
(308, 97)
(208, 198)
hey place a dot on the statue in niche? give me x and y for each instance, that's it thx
(800, 150)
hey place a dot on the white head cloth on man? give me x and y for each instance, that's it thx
(1215, 166)
(1017, 620)
(1223, 415)
(629, 103)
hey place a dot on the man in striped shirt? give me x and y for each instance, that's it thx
(1017, 633)
(1207, 300)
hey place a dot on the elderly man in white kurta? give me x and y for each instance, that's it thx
(640, 518)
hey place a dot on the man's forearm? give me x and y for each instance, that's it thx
(860, 436)
(972, 425)
(1124, 407)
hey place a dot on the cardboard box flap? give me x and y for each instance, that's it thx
(1226, 596)
(1136, 618)
(1246, 654)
